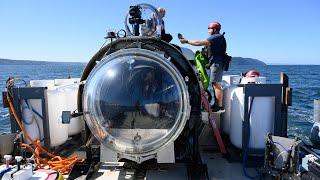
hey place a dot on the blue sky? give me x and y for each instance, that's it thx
(275, 31)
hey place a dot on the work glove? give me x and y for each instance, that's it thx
(183, 41)
(180, 36)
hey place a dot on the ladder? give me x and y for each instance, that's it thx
(212, 122)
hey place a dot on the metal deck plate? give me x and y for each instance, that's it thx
(176, 172)
(111, 170)
(115, 171)
(220, 168)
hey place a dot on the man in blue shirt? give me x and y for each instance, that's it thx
(216, 44)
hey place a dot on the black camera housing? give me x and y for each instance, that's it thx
(135, 11)
(135, 18)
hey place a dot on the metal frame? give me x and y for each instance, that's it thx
(165, 155)
(31, 93)
(258, 90)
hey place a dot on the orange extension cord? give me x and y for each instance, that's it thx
(57, 163)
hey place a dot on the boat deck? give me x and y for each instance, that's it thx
(220, 168)
(217, 166)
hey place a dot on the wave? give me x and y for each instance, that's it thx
(5, 115)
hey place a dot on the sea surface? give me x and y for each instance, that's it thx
(304, 79)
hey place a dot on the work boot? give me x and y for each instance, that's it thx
(217, 109)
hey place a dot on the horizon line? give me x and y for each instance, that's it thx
(279, 64)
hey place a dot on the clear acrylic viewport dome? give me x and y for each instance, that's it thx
(152, 25)
(135, 101)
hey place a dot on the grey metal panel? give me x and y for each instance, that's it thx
(272, 90)
(259, 90)
(16, 104)
(46, 129)
(31, 93)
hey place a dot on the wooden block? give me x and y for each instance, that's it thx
(288, 97)
(4, 100)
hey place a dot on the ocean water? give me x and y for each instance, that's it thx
(304, 79)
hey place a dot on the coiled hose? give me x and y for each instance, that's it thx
(55, 162)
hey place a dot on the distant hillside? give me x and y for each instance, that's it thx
(29, 62)
(247, 61)
(235, 61)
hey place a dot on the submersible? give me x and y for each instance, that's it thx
(146, 116)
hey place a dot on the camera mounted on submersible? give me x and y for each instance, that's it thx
(135, 15)
(135, 19)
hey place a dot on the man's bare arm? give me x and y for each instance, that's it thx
(198, 42)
